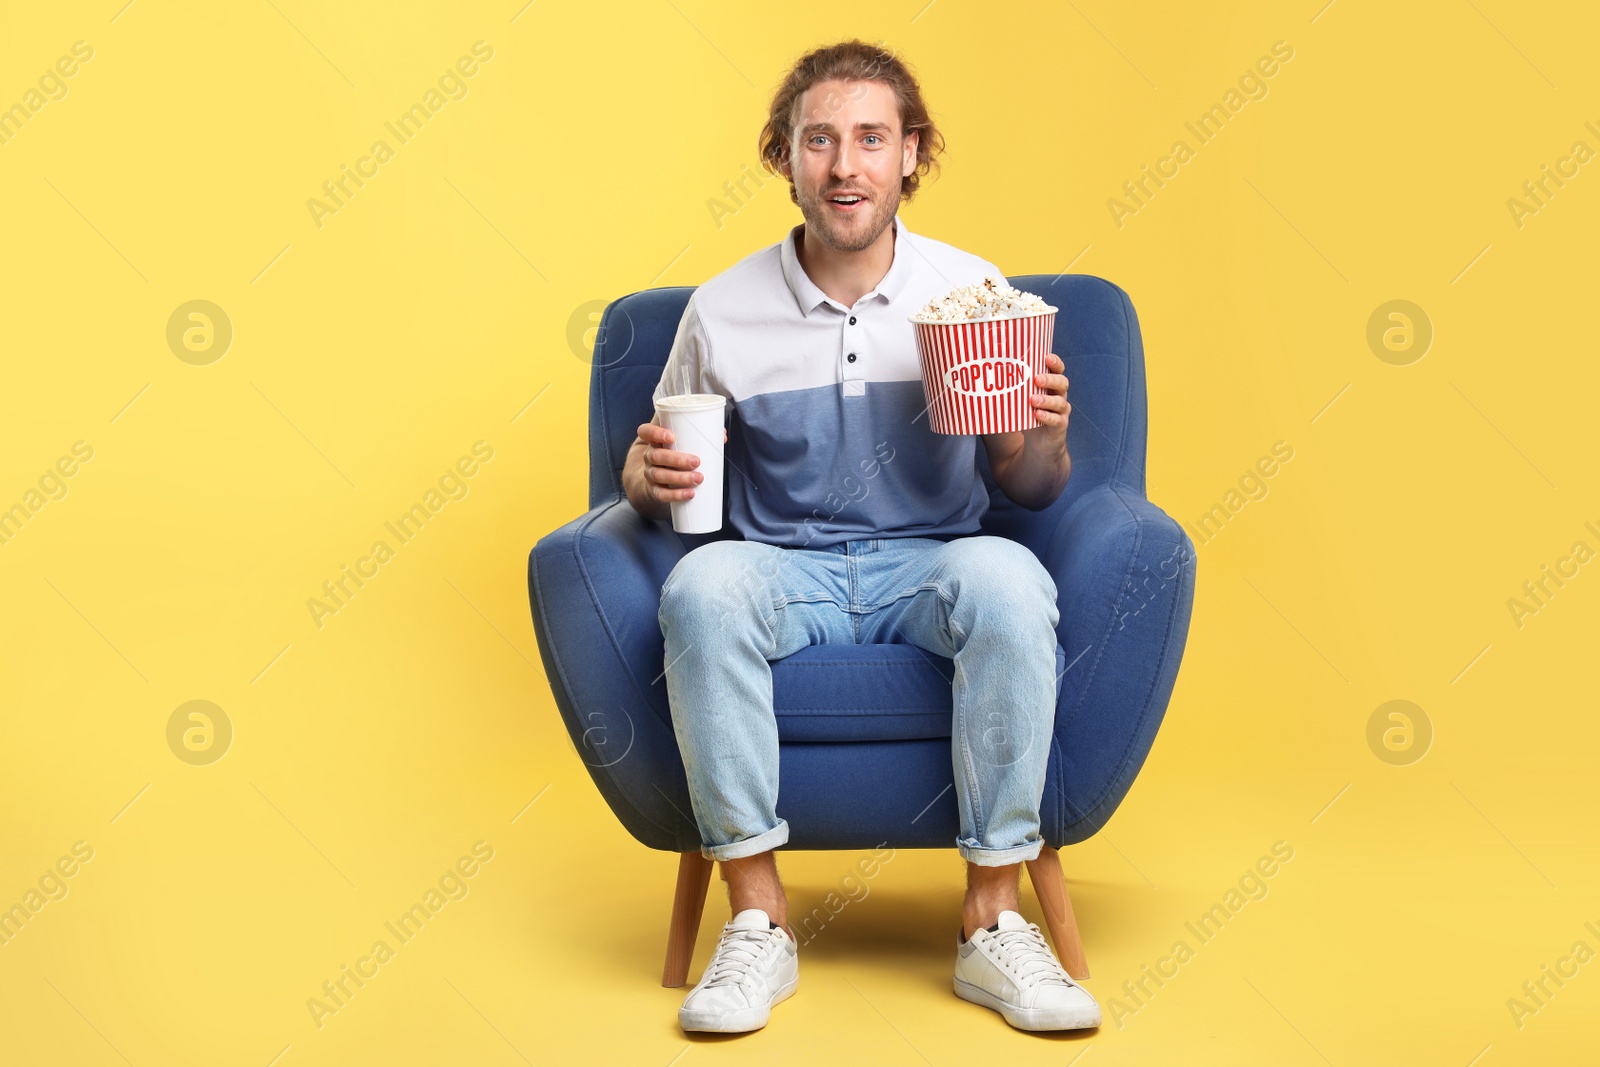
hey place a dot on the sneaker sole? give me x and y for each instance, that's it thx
(736, 1022)
(1029, 1018)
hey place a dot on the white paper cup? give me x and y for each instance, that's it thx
(695, 420)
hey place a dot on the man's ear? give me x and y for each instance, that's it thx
(909, 162)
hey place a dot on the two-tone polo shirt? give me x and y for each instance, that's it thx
(828, 436)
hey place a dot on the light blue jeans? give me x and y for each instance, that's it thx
(730, 607)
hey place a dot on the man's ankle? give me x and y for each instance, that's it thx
(753, 883)
(990, 890)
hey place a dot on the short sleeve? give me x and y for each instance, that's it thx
(688, 368)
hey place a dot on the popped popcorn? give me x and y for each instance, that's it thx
(992, 298)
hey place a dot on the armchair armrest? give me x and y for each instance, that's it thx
(595, 586)
(1124, 574)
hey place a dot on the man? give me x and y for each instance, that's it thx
(858, 526)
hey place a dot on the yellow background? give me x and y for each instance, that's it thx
(428, 314)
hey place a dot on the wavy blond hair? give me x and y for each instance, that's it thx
(852, 60)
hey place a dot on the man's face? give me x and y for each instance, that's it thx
(848, 141)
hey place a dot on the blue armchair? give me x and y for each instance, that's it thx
(864, 730)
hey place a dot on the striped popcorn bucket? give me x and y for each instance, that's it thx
(978, 376)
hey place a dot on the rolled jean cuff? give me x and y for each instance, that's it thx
(1000, 857)
(748, 846)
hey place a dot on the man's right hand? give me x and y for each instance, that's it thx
(668, 475)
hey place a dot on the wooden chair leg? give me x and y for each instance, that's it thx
(688, 905)
(1051, 887)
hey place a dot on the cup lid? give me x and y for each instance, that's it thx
(691, 402)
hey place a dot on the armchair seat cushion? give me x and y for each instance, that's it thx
(880, 692)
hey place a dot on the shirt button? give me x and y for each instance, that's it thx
(852, 320)
(851, 357)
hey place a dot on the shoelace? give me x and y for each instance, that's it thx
(737, 953)
(1033, 962)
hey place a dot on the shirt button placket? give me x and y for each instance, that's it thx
(851, 340)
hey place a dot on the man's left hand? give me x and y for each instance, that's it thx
(1032, 466)
(1050, 408)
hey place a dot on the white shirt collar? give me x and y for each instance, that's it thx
(808, 296)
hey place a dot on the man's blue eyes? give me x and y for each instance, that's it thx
(872, 135)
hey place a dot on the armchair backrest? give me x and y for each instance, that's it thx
(1096, 335)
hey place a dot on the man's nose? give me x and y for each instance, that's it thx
(844, 164)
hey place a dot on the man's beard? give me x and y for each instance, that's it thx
(842, 234)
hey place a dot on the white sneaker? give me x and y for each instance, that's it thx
(755, 966)
(1013, 971)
